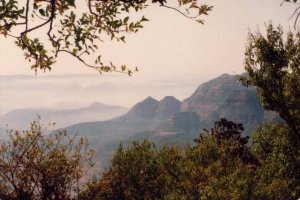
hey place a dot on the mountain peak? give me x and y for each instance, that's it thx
(149, 99)
(169, 99)
(167, 107)
(145, 108)
(225, 75)
(97, 104)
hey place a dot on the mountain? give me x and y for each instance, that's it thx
(244, 107)
(143, 110)
(170, 119)
(145, 116)
(164, 121)
(222, 97)
(167, 107)
(225, 97)
(19, 119)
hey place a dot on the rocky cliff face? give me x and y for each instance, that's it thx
(225, 97)
(166, 108)
(244, 107)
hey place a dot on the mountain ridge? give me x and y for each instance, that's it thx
(222, 97)
(141, 117)
(19, 118)
(171, 120)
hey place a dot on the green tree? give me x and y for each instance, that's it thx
(273, 67)
(279, 174)
(133, 173)
(223, 166)
(38, 165)
(141, 172)
(75, 31)
(218, 166)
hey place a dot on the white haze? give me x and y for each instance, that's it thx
(76, 91)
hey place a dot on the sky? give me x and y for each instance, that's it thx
(172, 45)
(171, 51)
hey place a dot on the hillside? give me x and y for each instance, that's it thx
(19, 119)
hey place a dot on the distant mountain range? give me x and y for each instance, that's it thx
(170, 120)
(164, 121)
(147, 115)
(19, 119)
(220, 97)
(144, 116)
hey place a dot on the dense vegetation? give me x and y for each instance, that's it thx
(220, 165)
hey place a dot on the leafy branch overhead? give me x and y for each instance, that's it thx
(79, 31)
(296, 12)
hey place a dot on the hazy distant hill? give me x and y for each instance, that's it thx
(19, 119)
(76, 91)
(144, 116)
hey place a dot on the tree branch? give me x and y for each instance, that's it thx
(100, 69)
(41, 25)
(182, 13)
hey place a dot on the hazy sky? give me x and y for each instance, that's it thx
(171, 45)
(173, 53)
